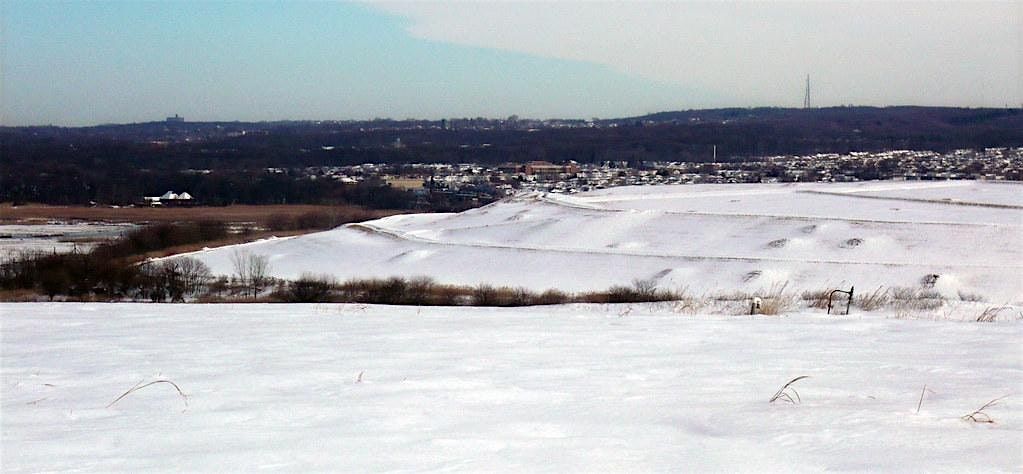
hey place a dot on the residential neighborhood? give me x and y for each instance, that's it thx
(477, 182)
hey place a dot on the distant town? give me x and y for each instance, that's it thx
(452, 164)
(469, 181)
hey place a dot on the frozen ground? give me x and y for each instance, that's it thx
(707, 239)
(56, 237)
(547, 389)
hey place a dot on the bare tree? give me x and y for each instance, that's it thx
(253, 271)
(240, 265)
(194, 274)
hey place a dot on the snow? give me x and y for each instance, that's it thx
(707, 239)
(578, 388)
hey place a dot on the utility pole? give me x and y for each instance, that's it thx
(806, 100)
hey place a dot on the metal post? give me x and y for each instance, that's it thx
(848, 302)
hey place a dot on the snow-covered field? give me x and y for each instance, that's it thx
(707, 239)
(588, 388)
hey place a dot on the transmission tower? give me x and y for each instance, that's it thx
(806, 100)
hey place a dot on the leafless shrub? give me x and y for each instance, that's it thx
(447, 295)
(522, 297)
(140, 386)
(484, 295)
(645, 288)
(979, 416)
(786, 392)
(419, 290)
(553, 297)
(310, 289)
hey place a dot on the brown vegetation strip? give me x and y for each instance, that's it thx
(235, 213)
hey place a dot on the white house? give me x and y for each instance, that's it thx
(169, 198)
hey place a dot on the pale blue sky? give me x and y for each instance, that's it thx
(78, 63)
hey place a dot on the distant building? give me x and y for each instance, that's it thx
(170, 198)
(176, 119)
(510, 168)
(546, 170)
(404, 184)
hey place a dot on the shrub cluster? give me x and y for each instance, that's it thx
(112, 270)
(161, 236)
(640, 291)
(424, 291)
(89, 276)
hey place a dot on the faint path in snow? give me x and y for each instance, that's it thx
(949, 202)
(559, 201)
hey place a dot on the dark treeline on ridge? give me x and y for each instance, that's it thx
(228, 162)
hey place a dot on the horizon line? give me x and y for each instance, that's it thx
(592, 119)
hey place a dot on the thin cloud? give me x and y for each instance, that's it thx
(929, 53)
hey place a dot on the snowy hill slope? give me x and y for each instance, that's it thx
(710, 239)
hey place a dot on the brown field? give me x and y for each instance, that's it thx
(142, 215)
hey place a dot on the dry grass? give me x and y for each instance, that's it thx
(260, 215)
(786, 392)
(21, 296)
(979, 416)
(140, 386)
(990, 314)
(686, 303)
(878, 299)
(921, 402)
(776, 300)
(816, 298)
(905, 300)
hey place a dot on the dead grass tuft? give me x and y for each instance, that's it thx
(979, 416)
(990, 314)
(872, 301)
(786, 392)
(776, 300)
(140, 386)
(816, 298)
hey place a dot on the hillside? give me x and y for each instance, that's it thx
(962, 240)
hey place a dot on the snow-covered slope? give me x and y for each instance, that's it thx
(706, 238)
(353, 388)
